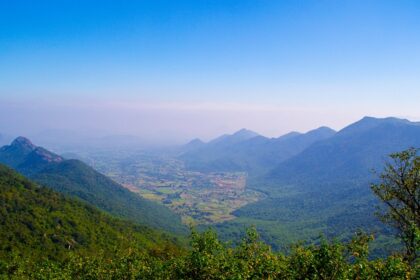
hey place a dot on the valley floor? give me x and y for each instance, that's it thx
(200, 198)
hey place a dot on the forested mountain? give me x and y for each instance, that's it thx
(250, 152)
(77, 179)
(350, 155)
(38, 223)
(325, 188)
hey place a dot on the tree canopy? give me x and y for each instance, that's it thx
(399, 189)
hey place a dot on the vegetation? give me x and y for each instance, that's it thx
(75, 178)
(399, 189)
(47, 236)
(325, 188)
(209, 258)
(39, 224)
(320, 182)
(200, 198)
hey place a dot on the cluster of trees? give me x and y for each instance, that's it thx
(399, 189)
(210, 258)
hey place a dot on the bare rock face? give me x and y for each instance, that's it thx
(46, 155)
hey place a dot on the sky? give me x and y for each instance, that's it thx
(176, 70)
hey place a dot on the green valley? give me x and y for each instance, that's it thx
(199, 197)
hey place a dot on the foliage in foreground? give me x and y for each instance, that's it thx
(399, 189)
(210, 258)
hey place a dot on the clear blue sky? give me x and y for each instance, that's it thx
(341, 56)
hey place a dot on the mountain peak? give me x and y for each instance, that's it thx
(323, 130)
(387, 119)
(289, 135)
(368, 122)
(195, 142)
(240, 135)
(23, 142)
(245, 133)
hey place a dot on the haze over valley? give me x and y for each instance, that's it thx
(202, 139)
(317, 180)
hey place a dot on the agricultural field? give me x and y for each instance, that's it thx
(200, 198)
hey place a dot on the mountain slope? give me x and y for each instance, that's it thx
(38, 222)
(77, 179)
(351, 154)
(239, 136)
(325, 188)
(192, 145)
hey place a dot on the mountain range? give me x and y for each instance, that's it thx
(248, 151)
(325, 186)
(314, 182)
(351, 154)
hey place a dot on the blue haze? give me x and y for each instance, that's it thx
(272, 66)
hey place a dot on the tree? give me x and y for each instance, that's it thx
(399, 189)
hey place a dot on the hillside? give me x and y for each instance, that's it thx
(350, 155)
(325, 188)
(77, 179)
(37, 222)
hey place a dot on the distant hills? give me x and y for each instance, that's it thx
(248, 151)
(75, 178)
(362, 145)
(351, 154)
(239, 136)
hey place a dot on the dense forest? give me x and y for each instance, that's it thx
(38, 223)
(208, 258)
